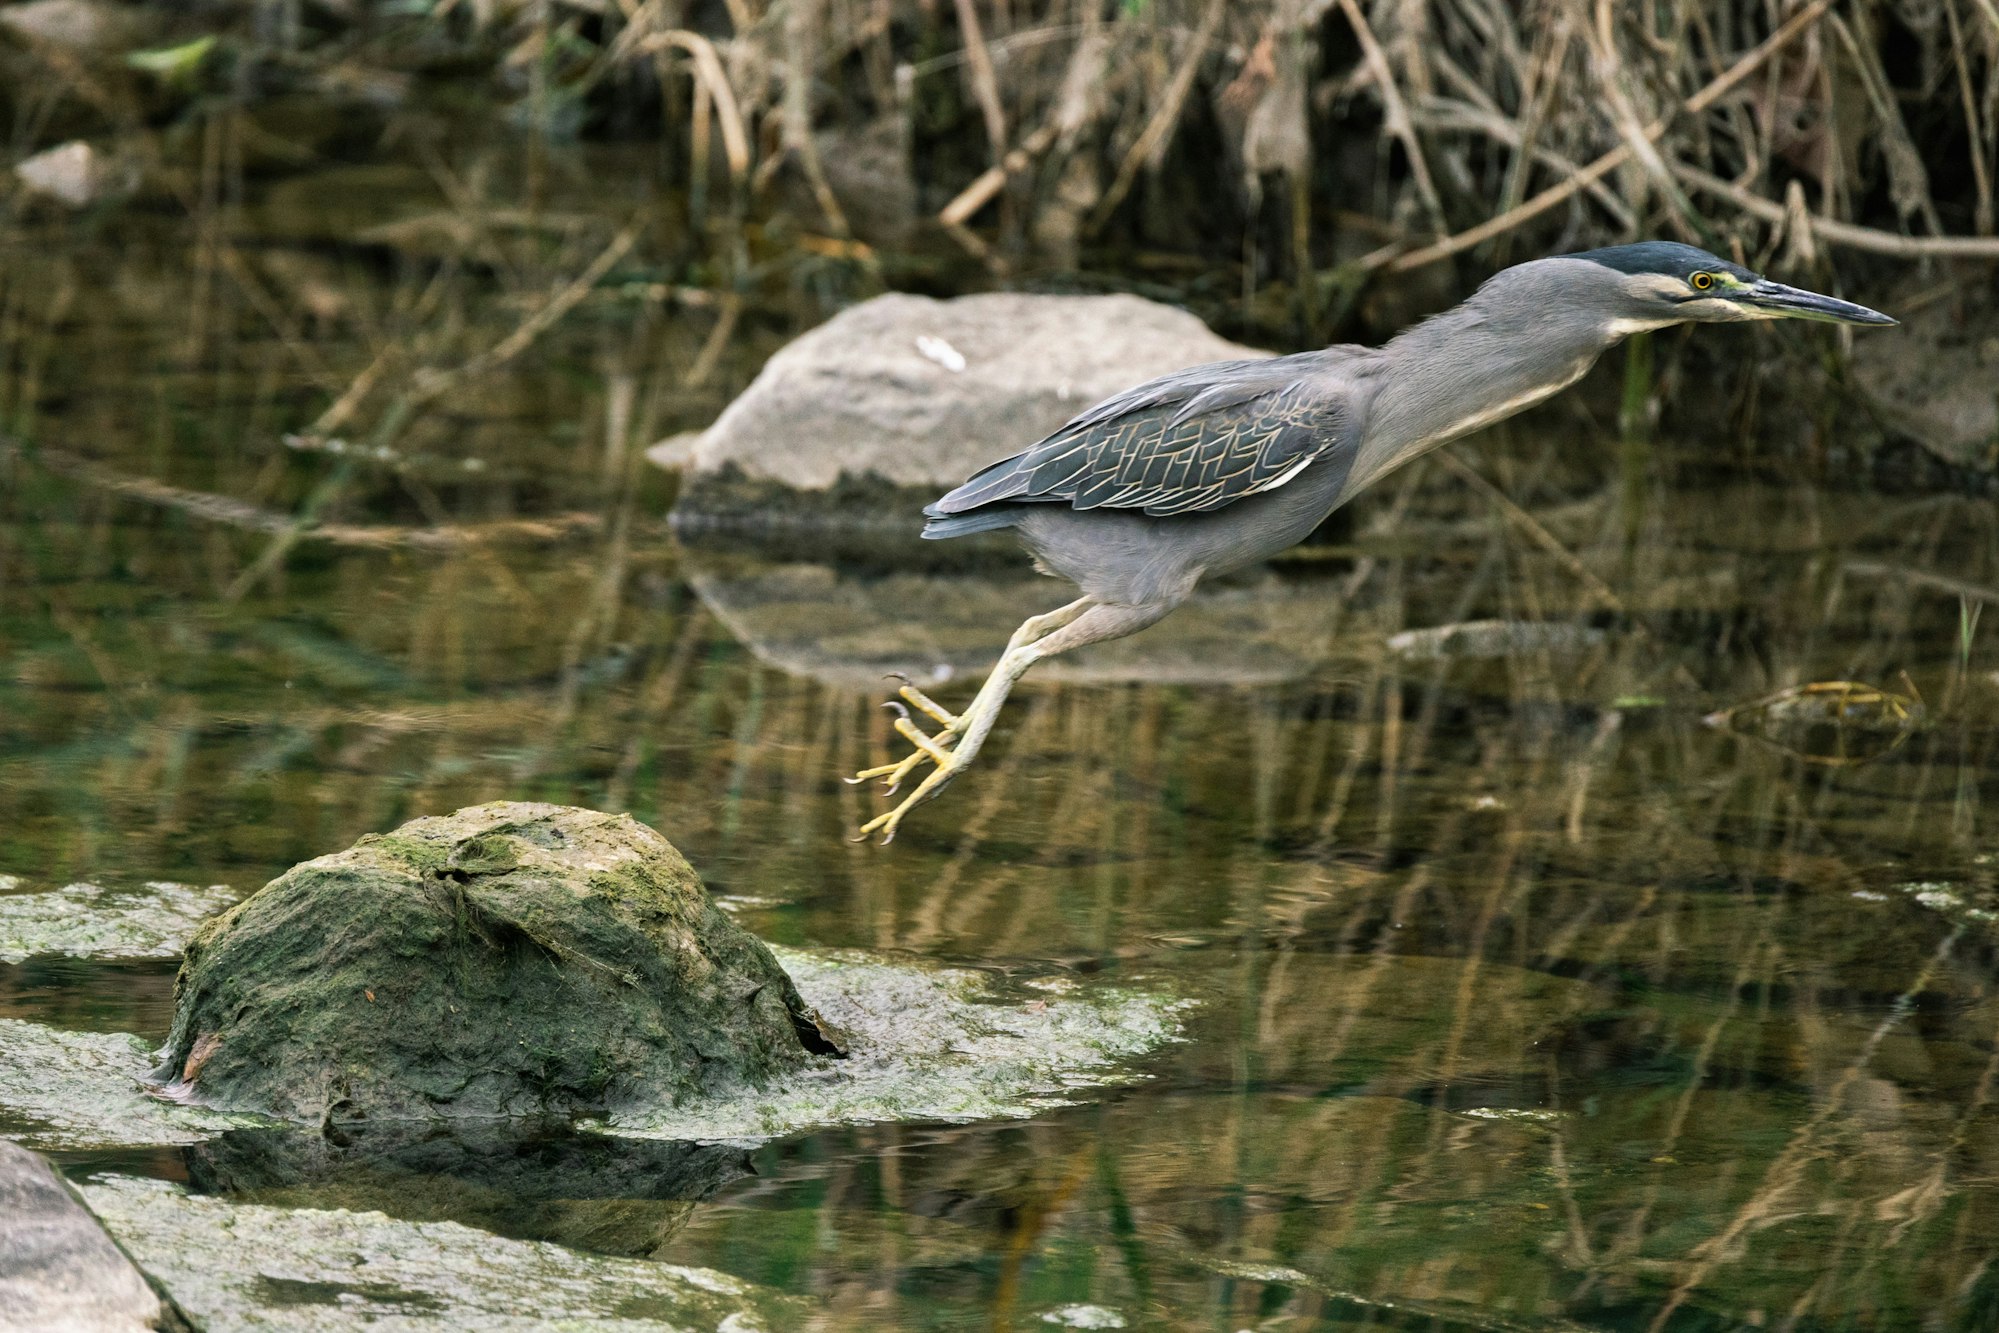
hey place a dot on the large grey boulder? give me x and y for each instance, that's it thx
(922, 392)
(59, 1271)
(509, 959)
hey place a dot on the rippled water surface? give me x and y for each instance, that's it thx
(1590, 976)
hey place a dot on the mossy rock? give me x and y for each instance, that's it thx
(509, 959)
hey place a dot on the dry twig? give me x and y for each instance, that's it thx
(993, 179)
(247, 517)
(543, 319)
(985, 82)
(1792, 29)
(712, 79)
(1844, 233)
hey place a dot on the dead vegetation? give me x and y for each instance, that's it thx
(1388, 135)
(1351, 137)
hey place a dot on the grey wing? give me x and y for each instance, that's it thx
(1184, 443)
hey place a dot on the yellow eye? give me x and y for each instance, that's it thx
(1702, 281)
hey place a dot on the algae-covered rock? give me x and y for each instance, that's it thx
(508, 959)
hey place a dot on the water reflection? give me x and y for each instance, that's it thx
(848, 628)
(530, 1182)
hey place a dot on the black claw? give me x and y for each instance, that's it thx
(897, 675)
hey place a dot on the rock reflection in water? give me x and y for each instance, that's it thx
(849, 629)
(521, 1179)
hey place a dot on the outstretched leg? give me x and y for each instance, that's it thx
(1031, 630)
(1094, 623)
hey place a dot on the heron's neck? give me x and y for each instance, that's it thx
(1463, 370)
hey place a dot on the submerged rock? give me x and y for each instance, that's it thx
(87, 1090)
(1493, 638)
(58, 1268)
(925, 1043)
(922, 393)
(509, 959)
(931, 1044)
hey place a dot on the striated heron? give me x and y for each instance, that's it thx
(1213, 468)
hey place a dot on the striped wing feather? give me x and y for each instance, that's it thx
(1185, 443)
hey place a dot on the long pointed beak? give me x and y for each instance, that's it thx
(1796, 303)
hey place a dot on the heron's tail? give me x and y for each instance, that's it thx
(940, 526)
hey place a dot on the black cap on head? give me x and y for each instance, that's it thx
(1665, 257)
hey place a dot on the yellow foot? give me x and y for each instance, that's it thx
(932, 748)
(949, 765)
(926, 703)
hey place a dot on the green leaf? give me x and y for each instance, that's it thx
(175, 64)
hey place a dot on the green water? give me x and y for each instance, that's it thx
(1528, 995)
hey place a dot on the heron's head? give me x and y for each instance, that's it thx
(1656, 283)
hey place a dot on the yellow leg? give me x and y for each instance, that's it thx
(934, 748)
(1073, 626)
(933, 782)
(973, 725)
